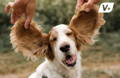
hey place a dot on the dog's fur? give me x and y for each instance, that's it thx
(33, 42)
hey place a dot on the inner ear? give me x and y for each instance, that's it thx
(31, 42)
(78, 40)
(86, 24)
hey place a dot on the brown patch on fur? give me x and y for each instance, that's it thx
(53, 36)
(31, 42)
(86, 25)
(52, 41)
(50, 54)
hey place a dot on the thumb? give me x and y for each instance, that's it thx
(27, 22)
(30, 11)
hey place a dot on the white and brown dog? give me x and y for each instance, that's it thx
(61, 47)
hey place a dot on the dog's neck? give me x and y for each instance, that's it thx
(64, 70)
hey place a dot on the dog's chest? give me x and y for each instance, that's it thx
(59, 76)
(65, 76)
(54, 74)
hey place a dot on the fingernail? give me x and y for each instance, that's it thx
(26, 26)
(12, 22)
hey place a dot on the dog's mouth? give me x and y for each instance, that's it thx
(70, 60)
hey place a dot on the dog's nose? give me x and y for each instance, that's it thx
(65, 48)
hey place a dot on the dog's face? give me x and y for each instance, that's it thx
(63, 44)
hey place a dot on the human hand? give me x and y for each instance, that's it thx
(90, 3)
(20, 8)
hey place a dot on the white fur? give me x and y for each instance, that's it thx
(55, 68)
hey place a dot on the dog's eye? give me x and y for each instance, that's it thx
(69, 34)
(54, 39)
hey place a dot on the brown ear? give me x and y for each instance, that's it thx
(31, 42)
(86, 24)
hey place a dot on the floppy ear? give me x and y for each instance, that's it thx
(31, 42)
(86, 24)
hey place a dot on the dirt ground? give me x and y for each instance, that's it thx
(102, 71)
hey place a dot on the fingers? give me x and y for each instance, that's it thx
(15, 16)
(8, 7)
(79, 3)
(27, 22)
(12, 19)
(89, 4)
(20, 7)
(30, 11)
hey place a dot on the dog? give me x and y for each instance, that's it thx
(61, 47)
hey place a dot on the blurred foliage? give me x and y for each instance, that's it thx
(52, 12)
(113, 18)
(4, 28)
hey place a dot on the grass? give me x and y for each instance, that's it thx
(101, 60)
(13, 63)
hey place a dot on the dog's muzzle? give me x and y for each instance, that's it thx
(70, 60)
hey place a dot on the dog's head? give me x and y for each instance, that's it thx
(62, 42)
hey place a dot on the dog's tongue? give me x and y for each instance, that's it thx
(71, 60)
